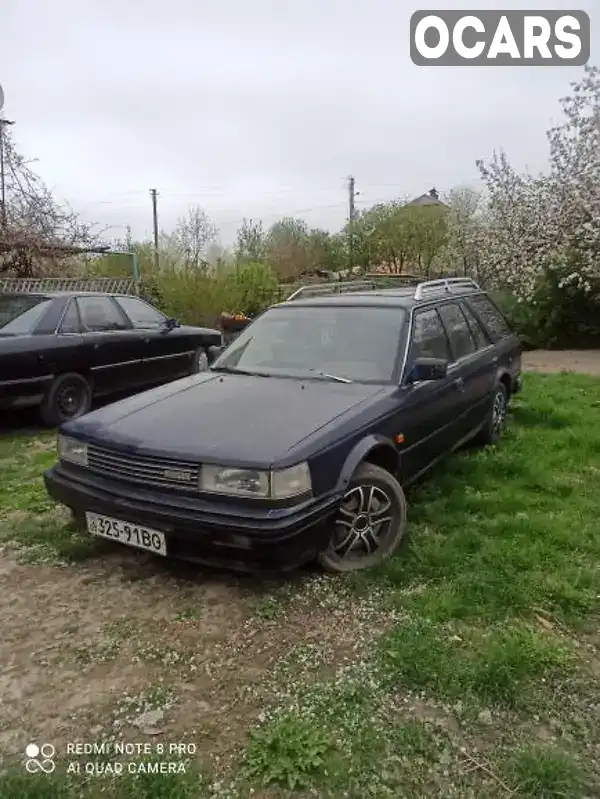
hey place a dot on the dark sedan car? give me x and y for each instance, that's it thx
(298, 441)
(60, 350)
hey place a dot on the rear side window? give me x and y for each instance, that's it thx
(490, 316)
(71, 322)
(461, 340)
(20, 314)
(482, 339)
(429, 337)
(100, 314)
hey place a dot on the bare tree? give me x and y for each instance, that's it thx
(35, 225)
(193, 236)
(251, 244)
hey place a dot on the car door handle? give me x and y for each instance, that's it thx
(459, 383)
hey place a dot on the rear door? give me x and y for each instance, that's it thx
(507, 345)
(113, 349)
(430, 410)
(167, 352)
(473, 365)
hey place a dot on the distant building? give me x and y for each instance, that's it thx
(431, 198)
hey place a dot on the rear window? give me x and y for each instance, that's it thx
(19, 314)
(491, 317)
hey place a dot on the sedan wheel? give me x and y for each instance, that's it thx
(69, 397)
(370, 522)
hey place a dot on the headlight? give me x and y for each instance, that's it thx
(281, 484)
(242, 482)
(290, 482)
(73, 451)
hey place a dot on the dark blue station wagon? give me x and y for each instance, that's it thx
(297, 442)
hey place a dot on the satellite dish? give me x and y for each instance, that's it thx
(1, 98)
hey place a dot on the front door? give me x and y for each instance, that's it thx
(112, 348)
(428, 416)
(167, 353)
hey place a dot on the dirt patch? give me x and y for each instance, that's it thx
(89, 649)
(550, 361)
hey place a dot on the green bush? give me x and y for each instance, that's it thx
(198, 298)
(563, 312)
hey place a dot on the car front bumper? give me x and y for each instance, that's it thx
(223, 535)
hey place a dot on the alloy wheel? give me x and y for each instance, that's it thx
(363, 522)
(499, 409)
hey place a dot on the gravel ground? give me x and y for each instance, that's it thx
(585, 361)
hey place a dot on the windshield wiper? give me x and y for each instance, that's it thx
(233, 370)
(331, 377)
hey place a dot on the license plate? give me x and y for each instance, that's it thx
(126, 533)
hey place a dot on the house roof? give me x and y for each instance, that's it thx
(426, 199)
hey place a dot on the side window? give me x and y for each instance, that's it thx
(461, 340)
(429, 337)
(490, 316)
(482, 339)
(140, 313)
(99, 314)
(70, 321)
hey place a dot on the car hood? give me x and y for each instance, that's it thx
(233, 419)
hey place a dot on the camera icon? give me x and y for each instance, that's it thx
(40, 758)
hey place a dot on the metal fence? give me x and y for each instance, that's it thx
(110, 285)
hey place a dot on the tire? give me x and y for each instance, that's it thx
(68, 398)
(351, 549)
(491, 432)
(200, 361)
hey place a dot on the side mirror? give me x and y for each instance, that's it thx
(428, 369)
(171, 323)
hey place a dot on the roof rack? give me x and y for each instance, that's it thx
(339, 287)
(446, 285)
(423, 288)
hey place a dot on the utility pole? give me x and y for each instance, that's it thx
(3, 214)
(154, 195)
(351, 216)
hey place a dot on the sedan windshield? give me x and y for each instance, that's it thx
(20, 313)
(341, 343)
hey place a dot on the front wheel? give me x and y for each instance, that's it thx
(370, 523)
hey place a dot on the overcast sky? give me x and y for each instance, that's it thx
(257, 108)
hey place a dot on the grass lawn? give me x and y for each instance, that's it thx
(466, 666)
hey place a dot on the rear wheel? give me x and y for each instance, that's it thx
(199, 361)
(370, 522)
(69, 397)
(495, 421)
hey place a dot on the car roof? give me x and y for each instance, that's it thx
(394, 297)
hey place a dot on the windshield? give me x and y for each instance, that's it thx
(20, 313)
(351, 343)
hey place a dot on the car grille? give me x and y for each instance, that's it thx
(144, 470)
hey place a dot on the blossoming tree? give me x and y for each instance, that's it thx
(550, 222)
